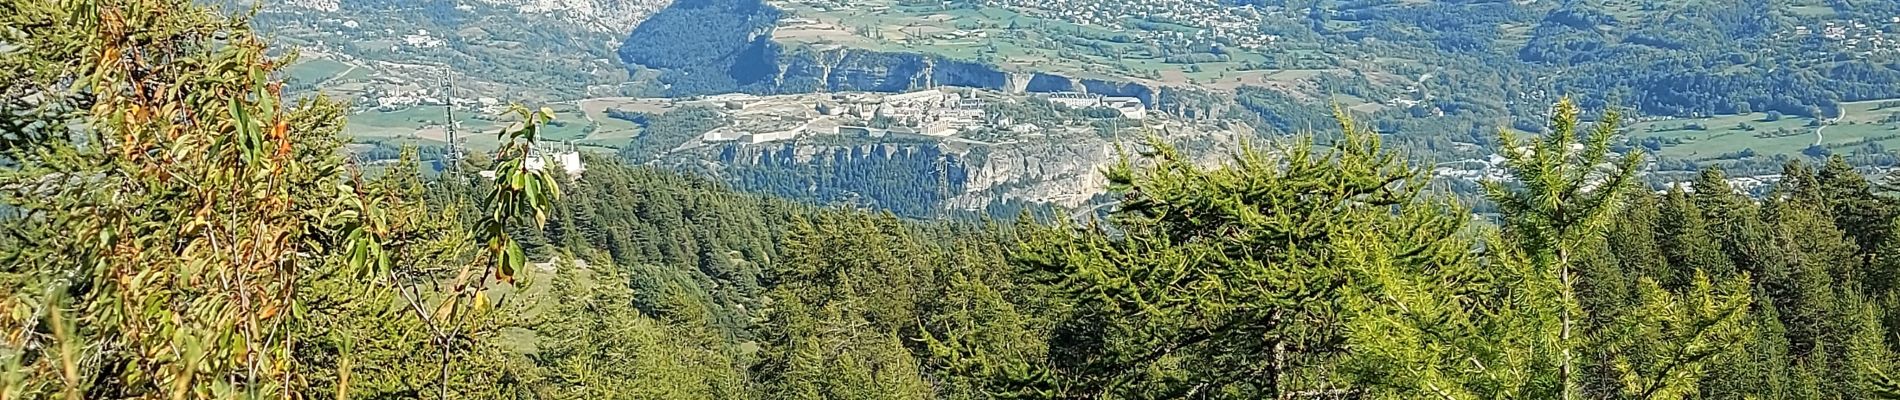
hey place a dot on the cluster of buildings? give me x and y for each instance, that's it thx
(1489, 168)
(1863, 38)
(833, 5)
(1130, 107)
(1750, 184)
(568, 159)
(930, 112)
(1492, 169)
(544, 154)
(397, 100)
(933, 112)
(318, 5)
(420, 40)
(1213, 21)
(756, 133)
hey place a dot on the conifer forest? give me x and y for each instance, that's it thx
(173, 225)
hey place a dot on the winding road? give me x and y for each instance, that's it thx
(1837, 119)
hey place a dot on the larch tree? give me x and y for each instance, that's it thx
(1565, 189)
(1569, 189)
(1637, 240)
(1227, 283)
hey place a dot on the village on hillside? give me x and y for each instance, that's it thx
(1853, 37)
(931, 113)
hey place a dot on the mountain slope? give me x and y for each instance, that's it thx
(1671, 58)
(542, 50)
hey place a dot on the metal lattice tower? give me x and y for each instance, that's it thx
(448, 109)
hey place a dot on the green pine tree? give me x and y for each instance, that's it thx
(1687, 243)
(1865, 217)
(1222, 283)
(1564, 201)
(1667, 343)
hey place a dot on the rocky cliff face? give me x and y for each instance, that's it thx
(1063, 170)
(1068, 172)
(708, 47)
(1064, 173)
(849, 69)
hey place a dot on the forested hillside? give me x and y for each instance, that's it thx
(907, 181)
(705, 46)
(1675, 58)
(174, 229)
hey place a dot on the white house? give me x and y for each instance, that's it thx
(1131, 108)
(570, 161)
(721, 134)
(764, 137)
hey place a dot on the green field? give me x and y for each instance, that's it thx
(1868, 112)
(423, 124)
(1641, 10)
(316, 70)
(611, 132)
(569, 124)
(612, 136)
(1356, 103)
(379, 124)
(1714, 137)
(615, 124)
(354, 75)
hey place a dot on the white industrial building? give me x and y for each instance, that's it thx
(773, 136)
(569, 160)
(1075, 99)
(721, 134)
(1130, 107)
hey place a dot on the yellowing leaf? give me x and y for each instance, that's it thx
(481, 301)
(443, 311)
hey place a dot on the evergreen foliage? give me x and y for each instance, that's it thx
(175, 230)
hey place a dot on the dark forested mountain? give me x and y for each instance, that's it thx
(912, 181)
(705, 46)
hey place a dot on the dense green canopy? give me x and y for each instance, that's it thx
(173, 230)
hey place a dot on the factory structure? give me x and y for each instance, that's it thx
(929, 112)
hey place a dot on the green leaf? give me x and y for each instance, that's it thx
(553, 187)
(358, 251)
(382, 259)
(247, 137)
(264, 100)
(533, 191)
(512, 260)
